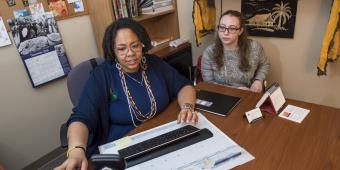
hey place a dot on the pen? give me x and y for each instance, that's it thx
(234, 155)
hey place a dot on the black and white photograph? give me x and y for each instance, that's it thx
(31, 34)
(270, 18)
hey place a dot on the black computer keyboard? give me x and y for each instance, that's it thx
(157, 142)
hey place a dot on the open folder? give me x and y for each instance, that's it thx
(216, 103)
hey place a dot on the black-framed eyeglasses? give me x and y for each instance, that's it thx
(231, 29)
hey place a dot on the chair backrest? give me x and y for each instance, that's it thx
(76, 80)
(198, 71)
(78, 76)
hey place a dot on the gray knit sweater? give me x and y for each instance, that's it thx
(230, 74)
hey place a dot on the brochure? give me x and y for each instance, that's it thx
(294, 113)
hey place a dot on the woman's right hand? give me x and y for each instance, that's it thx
(76, 159)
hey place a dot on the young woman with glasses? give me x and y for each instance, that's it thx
(129, 88)
(234, 60)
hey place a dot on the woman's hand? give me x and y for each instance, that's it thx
(187, 116)
(76, 159)
(257, 86)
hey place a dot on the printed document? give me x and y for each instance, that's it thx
(294, 113)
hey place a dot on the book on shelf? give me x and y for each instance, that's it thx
(145, 3)
(157, 10)
(125, 8)
(156, 6)
(159, 4)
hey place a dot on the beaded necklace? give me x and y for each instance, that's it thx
(134, 111)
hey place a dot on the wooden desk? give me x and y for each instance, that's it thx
(276, 143)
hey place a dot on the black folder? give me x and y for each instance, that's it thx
(216, 103)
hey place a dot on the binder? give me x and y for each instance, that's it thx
(216, 103)
(272, 100)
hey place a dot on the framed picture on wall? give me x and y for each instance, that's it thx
(270, 18)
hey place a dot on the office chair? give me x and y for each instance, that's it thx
(76, 80)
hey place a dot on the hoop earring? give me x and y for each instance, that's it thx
(143, 60)
(118, 66)
(143, 63)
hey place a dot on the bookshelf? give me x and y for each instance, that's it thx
(159, 25)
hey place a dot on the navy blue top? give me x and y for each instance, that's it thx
(107, 117)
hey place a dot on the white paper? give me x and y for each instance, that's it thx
(294, 113)
(44, 67)
(4, 38)
(197, 156)
(277, 99)
(253, 114)
(78, 6)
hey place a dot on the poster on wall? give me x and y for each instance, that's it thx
(40, 47)
(270, 18)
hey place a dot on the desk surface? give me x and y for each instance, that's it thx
(276, 143)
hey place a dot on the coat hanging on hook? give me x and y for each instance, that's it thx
(204, 18)
(330, 47)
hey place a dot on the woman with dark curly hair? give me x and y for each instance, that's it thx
(234, 60)
(130, 87)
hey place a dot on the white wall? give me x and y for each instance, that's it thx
(30, 118)
(293, 61)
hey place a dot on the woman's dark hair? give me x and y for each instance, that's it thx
(111, 33)
(242, 43)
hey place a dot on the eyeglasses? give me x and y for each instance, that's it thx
(231, 29)
(123, 49)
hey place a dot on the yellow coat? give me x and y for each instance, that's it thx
(204, 17)
(331, 42)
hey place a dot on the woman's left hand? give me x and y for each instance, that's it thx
(187, 116)
(257, 86)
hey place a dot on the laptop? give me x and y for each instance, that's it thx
(216, 103)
